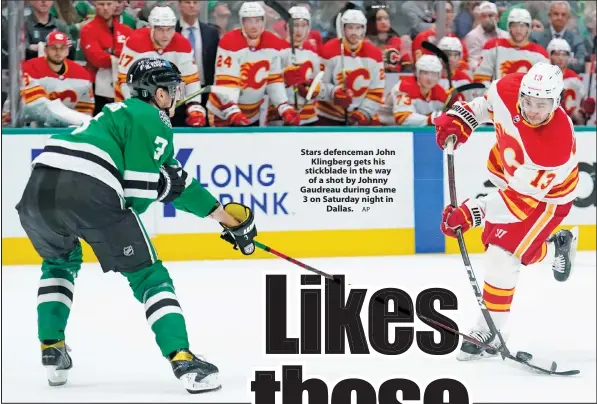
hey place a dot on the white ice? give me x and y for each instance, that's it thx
(116, 359)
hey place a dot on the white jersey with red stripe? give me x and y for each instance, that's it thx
(250, 73)
(178, 51)
(573, 91)
(529, 164)
(508, 57)
(73, 87)
(459, 78)
(365, 77)
(406, 104)
(305, 54)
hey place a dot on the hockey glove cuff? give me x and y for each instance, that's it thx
(241, 236)
(171, 184)
(468, 215)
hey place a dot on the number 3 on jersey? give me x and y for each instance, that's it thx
(161, 144)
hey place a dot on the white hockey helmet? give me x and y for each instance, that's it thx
(519, 15)
(450, 44)
(543, 80)
(558, 44)
(428, 63)
(353, 17)
(300, 13)
(251, 9)
(162, 17)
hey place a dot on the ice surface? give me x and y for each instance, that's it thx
(116, 359)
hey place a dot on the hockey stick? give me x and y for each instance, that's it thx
(296, 262)
(593, 62)
(206, 89)
(340, 35)
(521, 357)
(460, 89)
(285, 15)
(524, 358)
(314, 85)
(440, 54)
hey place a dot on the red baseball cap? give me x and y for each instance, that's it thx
(57, 38)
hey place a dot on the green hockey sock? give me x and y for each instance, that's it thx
(55, 294)
(153, 287)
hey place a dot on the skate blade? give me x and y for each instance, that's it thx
(207, 384)
(56, 377)
(467, 357)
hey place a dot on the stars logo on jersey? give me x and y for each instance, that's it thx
(164, 117)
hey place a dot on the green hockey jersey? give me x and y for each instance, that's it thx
(124, 146)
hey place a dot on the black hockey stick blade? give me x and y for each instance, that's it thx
(278, 8)
(460, 89)
(440, 54)
(521, 357)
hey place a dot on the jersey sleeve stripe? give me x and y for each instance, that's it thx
(191, 78)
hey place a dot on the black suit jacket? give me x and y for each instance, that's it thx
(574, 40)
(209, 49)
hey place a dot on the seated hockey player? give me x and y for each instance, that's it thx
(160, 40)
(248, 62)
(299, 69)
(416, 100)
(534, 166)
(502, 56)
(576, 107)
(56, 91)
(453, 49)
(362, 94)
(93, 184)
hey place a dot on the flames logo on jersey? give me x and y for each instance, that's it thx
(569, 101)
(512, 155)
(249, 73)
(351, 80)
(515, 66)
(66, 95)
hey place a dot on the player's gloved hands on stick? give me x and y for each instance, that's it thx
(448, 125)
(195, 115)
(242, 235)
(468, 215)
(587, 107)
(295, 74)
(171, 184)
(289, 115)
(234, 116)
(359, 118)
(342, 98)
(303, 89)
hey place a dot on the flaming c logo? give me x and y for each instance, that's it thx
(253, 75)
(569, 98)
(515, 66)
(65, 95)
(351, 80)
(512, 155)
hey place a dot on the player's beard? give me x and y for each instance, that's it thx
(55, 62)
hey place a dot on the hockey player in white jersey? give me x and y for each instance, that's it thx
(416, 100)
(453, 49)
(573, 101)
(535, 168)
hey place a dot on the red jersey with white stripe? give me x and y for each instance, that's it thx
(250, 73)
(573, 91)
(407, 105)
(530, 164)
(305, 54)
(509, 59)
(73, 87)
(429, 36)
(365, 77)
(178, 51)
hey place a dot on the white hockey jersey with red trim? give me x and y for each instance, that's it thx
(365, 77)
(73, 88)
(305, 54)
(529, 164)
(250, 73)
(459, 78)
(406, 105)
(573, 91)
(179, 51)
(509, 59)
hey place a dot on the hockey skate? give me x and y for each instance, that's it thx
(565, 243)
(57, 362)
(197, 375)
(470, 351)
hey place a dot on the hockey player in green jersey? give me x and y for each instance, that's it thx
(92, 184)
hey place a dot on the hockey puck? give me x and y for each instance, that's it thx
(524, 356)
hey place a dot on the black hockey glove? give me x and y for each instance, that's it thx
(171, 184)
(241, 236)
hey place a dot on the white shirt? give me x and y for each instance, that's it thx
(197, 47)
